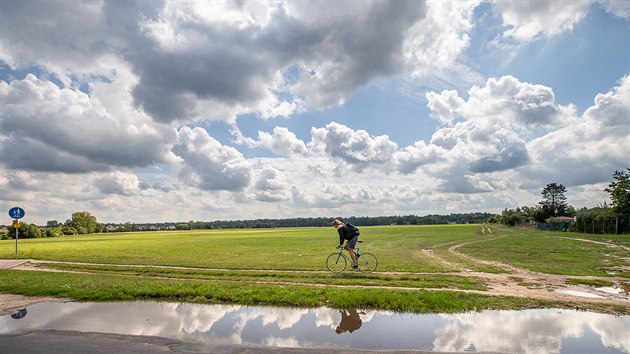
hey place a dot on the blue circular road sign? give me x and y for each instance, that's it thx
(16, 213)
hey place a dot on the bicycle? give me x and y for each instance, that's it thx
(338, 261)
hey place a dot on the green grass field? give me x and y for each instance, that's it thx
(399, 248)
(418, 266)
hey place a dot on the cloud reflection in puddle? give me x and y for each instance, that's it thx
(528, 331)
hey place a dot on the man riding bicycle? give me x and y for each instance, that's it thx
(349, 234)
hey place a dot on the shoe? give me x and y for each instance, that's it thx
(356, 267)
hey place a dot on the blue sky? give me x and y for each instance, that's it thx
(170, 111)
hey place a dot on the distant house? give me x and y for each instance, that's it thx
(557, 223)
(561, 219)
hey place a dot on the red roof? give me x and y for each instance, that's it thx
(568, 218)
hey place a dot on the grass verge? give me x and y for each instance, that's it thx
(107, 287)
(430, 281)
(589, 282)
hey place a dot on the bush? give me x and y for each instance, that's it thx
(54, 232)
(69, 230)
(25, 231)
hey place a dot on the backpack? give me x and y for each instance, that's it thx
(355, 231)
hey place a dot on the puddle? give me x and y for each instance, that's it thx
(619, 291)
(528, 331)
(611, 290)
(579, 293)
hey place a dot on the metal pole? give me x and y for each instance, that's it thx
(16, 242)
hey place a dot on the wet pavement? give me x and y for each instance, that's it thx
(63, 342)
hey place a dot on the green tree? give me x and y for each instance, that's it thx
(554, 201)
(129, 226)
(83, 221)
(182, 226)
(25, 231)
(619, 191)
(511, 217)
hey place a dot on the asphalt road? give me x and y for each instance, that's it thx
(63, 342)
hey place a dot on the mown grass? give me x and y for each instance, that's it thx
(411, 280)
(552, 252)
(278, 266)
(397, 248)
(590, 282)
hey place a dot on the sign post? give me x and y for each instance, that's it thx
(16, 213)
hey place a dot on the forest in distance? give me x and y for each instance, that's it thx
(467, 218)
(84, 222)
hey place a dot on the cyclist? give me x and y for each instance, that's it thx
(350, 234)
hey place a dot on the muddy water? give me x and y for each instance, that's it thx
(530, 331)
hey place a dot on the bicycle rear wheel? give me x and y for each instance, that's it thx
(367, 262)
(336, 263)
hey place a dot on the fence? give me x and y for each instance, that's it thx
(555, 226)
(599, 224)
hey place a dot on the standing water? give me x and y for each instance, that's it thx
(527, 331)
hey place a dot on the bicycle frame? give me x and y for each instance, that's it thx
(366, 261)
(347, 257)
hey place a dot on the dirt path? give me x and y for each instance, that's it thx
(530, 284)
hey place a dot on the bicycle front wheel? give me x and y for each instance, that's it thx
(336, 263)
(367, 262)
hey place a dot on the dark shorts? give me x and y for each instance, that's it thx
(353, 242)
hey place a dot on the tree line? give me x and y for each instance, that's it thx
(83, 222)
(355, 220)
(604, 218)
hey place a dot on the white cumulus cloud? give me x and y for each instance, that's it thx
(209, 165)
(356, 148)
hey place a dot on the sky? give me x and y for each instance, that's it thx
(162, 111)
